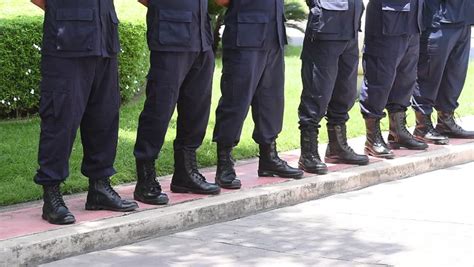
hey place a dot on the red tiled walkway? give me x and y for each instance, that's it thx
(26, 220)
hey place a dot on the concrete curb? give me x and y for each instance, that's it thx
(91, 236)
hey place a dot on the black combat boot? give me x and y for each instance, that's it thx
(271, 165)
(448, 126)
(225, 174)
(54, 208)
(338, 151)
(399, 136)
(187, 178)
(375, 146)
(310, 161)
(102, 196)
(425, 131)
(148, 189)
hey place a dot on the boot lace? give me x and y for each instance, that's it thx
(110, 189)
(452, 120)
(404, 129)
(194, 167)
(150, 168)
(378, 136)
(56, 197)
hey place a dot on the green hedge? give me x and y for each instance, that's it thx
(20, 41)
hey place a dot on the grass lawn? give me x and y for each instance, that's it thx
(19, 138)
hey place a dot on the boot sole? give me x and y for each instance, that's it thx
(314, 171)
(228, 186)
(436, 142)
(394, 145)
(102, 207)
(180, 189)
(51, 221)
(457, 136)
(376, 155)
(277, 174)
(150, 202)
(343, 161)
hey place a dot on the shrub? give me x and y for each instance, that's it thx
(20, 45)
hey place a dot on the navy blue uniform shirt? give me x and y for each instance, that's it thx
(254, 25)
(439, 12)
(394, 17)
(179, 25)
(334, 19)
(74, 28)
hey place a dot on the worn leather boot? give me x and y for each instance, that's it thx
(375, 146)
(271, 165)
(447, 126)
(399, 136)
(187, 178)
(425, 131)
(102, 196)
(339, 151)
(148, 189)
(225, 174)
(310, 161)
(54, 208)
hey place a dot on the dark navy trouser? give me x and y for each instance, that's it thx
(442, 69)
(329, 75)
(390, 69)
(78, 92)
(175, 79)
(251, 78)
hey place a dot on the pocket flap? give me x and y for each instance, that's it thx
(396, 6)
(75, 14)
(178, 16)
(113, 17)
(335, 5)
(252, 18)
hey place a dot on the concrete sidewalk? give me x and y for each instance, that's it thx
(26, 239)
(401, 223)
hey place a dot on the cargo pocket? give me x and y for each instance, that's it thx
(54, 95)
(114, 43)
(332, 15)
(175, 27)
(251, 29)
(160, 90)
(395, 17)
(75, 29)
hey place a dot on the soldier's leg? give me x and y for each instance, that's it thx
(99, 126)
(194, 103)
(165, 77)
(452, 86)
(380, 62)
(167, 73)
(320, 63)
(267, 114)
(345, 90)
(435, 48)
(455, 72)
(65, 89)
(99, 133)
(241, 74)
(342, 100)
(400, 96)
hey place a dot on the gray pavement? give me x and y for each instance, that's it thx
(425, 220)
